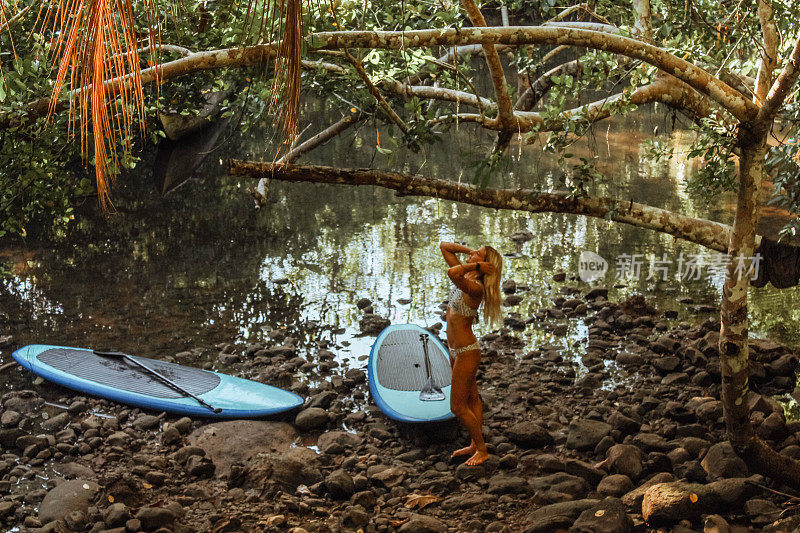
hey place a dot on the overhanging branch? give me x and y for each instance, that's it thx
(706, 233)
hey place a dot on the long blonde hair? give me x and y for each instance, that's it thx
(491, 288)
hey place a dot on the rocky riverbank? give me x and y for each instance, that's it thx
(628, 438)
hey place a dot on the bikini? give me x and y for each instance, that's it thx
(460, 307)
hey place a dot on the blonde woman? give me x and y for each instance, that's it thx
(477, 281)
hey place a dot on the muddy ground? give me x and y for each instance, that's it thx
(629, 437)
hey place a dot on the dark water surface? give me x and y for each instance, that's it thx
(201, 267)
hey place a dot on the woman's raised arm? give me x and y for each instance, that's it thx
(449, 251)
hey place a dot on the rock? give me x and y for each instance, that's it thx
(118, 438)
(511, 301)
(509, 286)
(633, 499)
(56, 423)
(363, 302)
(666, 364)
(183, 455)
(596, 293)
(561, 482)
(339, 485)
(529, 435)
(787, 525)
(585, 434)
(241, 441)
(722, 462)
(145, 422)
(608, 516)
(116, 515)
(521, 236)
(74, 470)
(556, 516)
(311, 418)
(676, 501)
(183, 425)
(716, 524)
(761, 512)
(66, 497)
(6, 508)
(10, 418)
(623, 423)
(354, 517)
(505, 484)
(418, 523)
(588, 472)
(342, 438)
(153, 518)
(198, 466)
(389, 477)
(624, 459)
(709, 411)
(615, 485)
(170, 436)
(372, 324)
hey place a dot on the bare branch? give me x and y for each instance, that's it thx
(706, 233)
(505, 115)
(727, 97)
(769, 54)
(544, 83)
(376, 93)
(10, 22)
(780, 90)
(321, 138)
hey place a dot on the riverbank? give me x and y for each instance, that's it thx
(628, 438)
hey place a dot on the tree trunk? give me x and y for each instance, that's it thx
(734, 351)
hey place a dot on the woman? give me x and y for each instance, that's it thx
(476, 281)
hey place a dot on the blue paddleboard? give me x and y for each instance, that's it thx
(398, 374)
(122, 381)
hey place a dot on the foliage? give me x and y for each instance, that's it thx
(44, 175)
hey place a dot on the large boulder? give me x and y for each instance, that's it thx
(608, 516)
(241, 441)
(67, 497)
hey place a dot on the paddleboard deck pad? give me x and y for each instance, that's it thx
(120, 380)
(397, 374)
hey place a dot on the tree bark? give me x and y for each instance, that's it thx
(720, 92)
(706, 233)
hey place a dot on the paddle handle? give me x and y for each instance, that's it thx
(160, 376)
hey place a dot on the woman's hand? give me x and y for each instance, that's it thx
(487, 269)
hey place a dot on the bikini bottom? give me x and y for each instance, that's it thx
(455, 351)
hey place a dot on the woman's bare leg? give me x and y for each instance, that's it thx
(462, 387)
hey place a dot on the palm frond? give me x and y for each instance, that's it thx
(94, 42)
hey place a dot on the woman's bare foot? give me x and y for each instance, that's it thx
(478, 458)
(464, 451)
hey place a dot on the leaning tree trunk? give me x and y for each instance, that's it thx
(734, 351)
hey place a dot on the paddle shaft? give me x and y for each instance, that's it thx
(424, 338)
(162, 377)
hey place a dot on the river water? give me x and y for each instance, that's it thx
(201, 267)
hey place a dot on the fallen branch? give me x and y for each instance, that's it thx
(706, 233)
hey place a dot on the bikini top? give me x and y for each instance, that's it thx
(459, 306)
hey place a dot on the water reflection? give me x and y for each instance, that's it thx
(201, 267)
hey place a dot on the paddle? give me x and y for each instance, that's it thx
(152, 372)
(430, 391)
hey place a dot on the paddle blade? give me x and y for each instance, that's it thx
(431, 393)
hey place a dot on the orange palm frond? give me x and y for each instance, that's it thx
(281, 20)
(97, 41)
